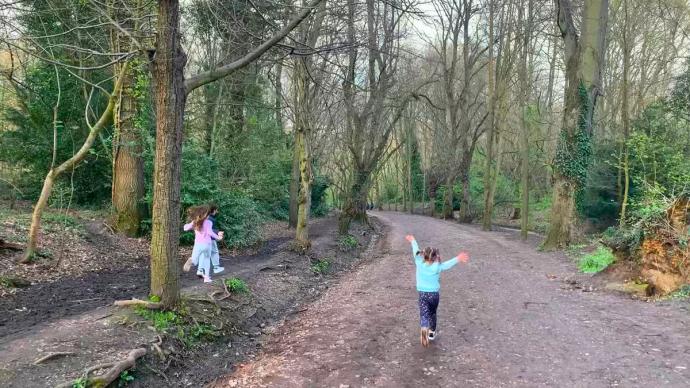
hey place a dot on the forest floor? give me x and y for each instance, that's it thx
(513, 316)
(68, 306)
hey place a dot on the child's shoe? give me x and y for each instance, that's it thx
(187, 265)
(432, 335)
(424, 336)
(200, 273)
(218, 270)
(207, 279)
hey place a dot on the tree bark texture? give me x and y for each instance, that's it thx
(584, 57)
(170, 98)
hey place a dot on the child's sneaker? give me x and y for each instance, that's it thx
(207, 279)
(218, 269)
(187, 265)
(200, 273)
(432, 335)
(424, 336)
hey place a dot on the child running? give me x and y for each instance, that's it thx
(429, 268)
(215, 254)
(203, 235)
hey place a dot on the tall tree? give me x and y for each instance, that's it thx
(171, 90)
(584, 58)
(372, 109)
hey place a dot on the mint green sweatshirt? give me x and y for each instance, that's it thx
(428, 275)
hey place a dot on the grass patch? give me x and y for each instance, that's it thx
(237, 286)
(347, 242)
(181, 326)
(321, 266)
(126, 377)
(161, 320)
(596, 261)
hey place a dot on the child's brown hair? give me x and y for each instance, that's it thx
(197, 214)
(431, 255)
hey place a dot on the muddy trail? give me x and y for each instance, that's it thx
(122, 278)
(77, 316)
(512, 316)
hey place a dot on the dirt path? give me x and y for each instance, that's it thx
(507, 318)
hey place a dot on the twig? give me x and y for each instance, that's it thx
(52, 355)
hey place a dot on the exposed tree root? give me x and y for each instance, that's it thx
(138, 302)
(9, 246)
(114, 371)
(51, 356)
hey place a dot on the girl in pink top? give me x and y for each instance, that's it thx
(203, 238)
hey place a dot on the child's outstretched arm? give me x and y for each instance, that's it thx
(188, 226)
(448, 264)
(415, 247)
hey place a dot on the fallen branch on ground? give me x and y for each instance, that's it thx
(137, 302)
(52, 355)
(116, 368)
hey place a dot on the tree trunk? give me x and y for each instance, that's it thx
(447, 210)
(584, 59)
(465, 212)
(294, 184)
(128, 164)
(170, 98)
(561, 228)
(624, 175)
(304, 197)
(524, 138)
(355, 208)
(489, 171)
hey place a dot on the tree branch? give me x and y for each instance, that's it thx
(223, 71)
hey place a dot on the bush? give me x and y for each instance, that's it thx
(596, 261)
(321, 266)
(237, 286)
(347, 242)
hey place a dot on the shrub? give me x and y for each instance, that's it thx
(596, 261)
(321, 266)
(347, 242)
(237, 286)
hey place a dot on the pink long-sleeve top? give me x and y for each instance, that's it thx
(204, 235)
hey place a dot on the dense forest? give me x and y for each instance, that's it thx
(289, 148)
(567, 117)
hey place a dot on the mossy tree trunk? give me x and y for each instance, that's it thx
(128, 163)
(584, 58)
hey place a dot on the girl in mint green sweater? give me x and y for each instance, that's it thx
(429, 268)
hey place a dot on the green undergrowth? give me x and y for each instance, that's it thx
(596, 261)
(347, 242)
(680, 294)
(179, 324)
(320, 266)
(237, 286)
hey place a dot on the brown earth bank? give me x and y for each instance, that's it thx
(72, 314)
(513, 316)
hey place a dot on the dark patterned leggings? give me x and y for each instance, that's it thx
(428, 303)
